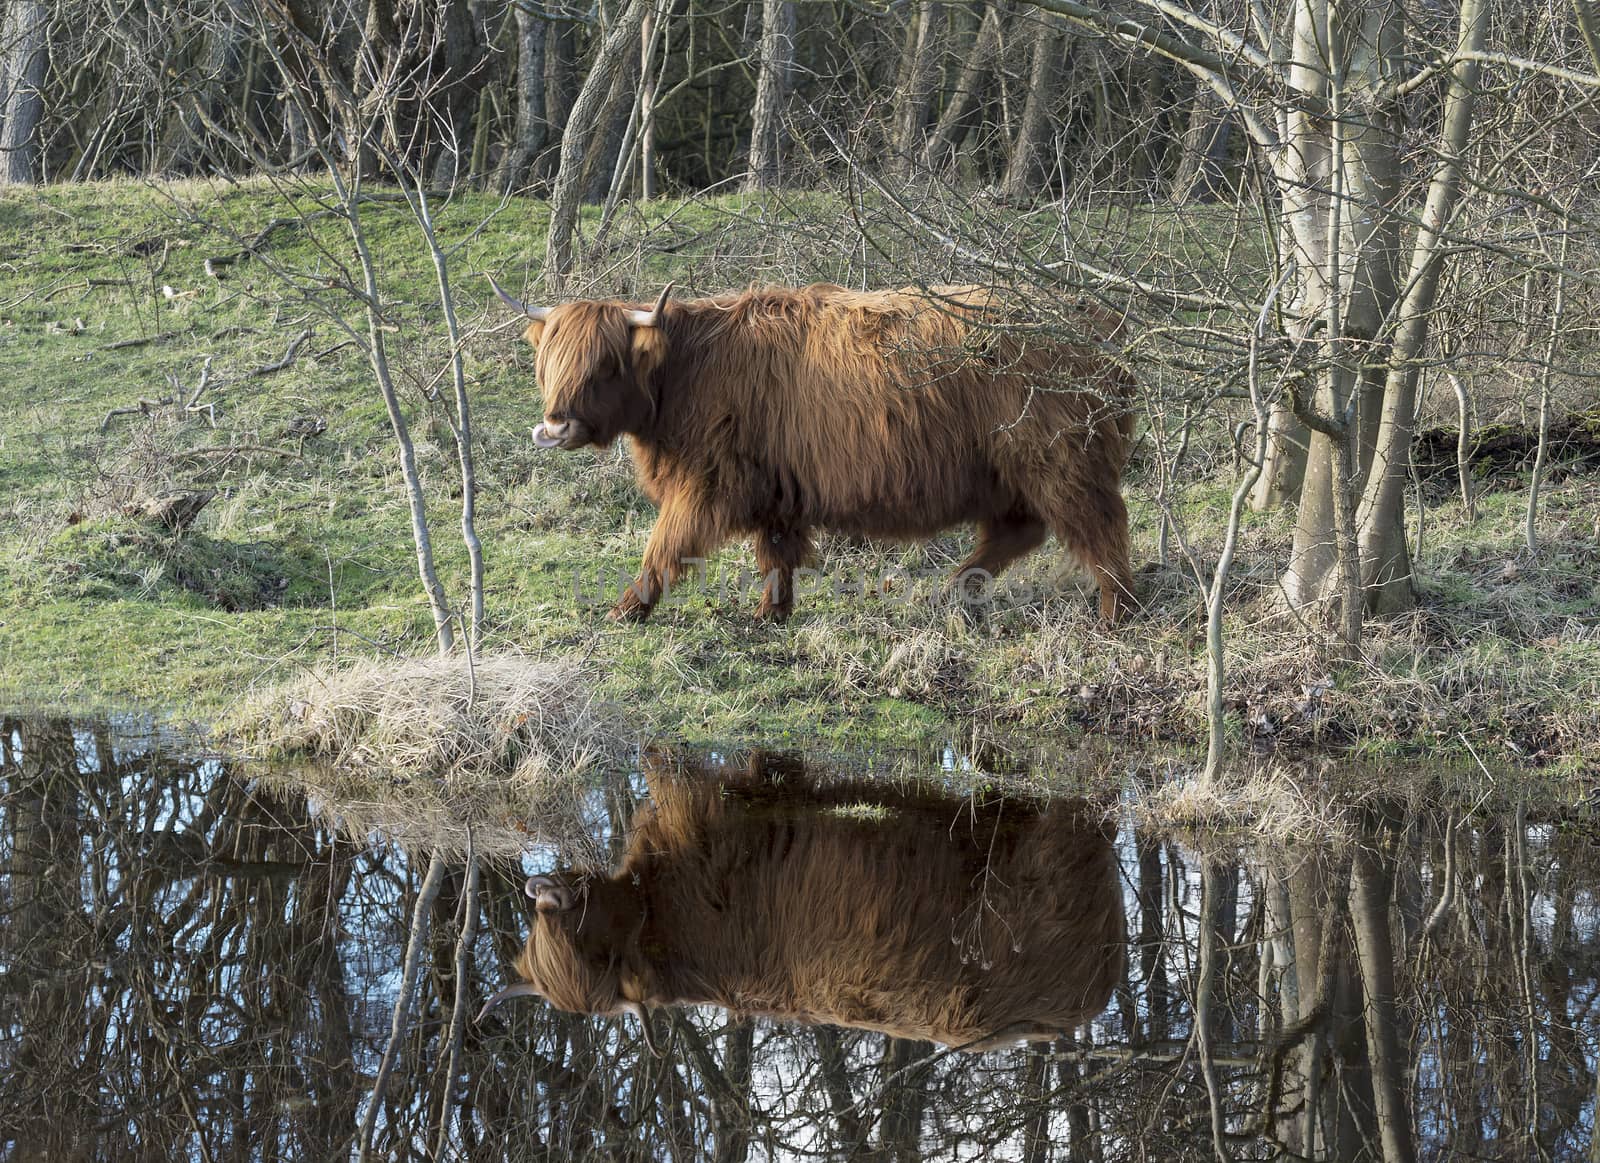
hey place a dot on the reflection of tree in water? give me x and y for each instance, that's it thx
(195, 969)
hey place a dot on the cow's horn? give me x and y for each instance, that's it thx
(533, 884)
(542, 888)
(638, 1011)
(538, 313)
(653, 316)
(521, 989)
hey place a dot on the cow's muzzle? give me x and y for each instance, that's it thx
(566, 434)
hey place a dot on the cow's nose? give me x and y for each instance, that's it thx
(549, 435)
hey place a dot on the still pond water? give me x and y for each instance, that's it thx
(194, 964)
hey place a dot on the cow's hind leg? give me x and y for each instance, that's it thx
(1094, 527)
(778, 554)
(1001, 540)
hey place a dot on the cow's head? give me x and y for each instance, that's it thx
(578, 954)
(595, 362)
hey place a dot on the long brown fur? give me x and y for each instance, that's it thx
(970, 924)
(894, 414)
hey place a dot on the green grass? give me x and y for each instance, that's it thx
(305, 554)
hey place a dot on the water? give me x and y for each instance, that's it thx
(193, 966)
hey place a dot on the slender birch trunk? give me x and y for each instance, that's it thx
(1385, 563)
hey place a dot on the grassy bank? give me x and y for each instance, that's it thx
(303, 555)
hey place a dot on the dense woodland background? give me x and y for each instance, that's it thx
(1037, 100)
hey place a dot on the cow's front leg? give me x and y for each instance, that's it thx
(778, 555)
(683, 535)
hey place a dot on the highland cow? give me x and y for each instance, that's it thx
(892, 414)
(969, 922)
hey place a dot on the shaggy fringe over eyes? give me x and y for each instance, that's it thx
(552, 961)
(585, 337)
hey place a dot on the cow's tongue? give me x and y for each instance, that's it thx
(543, 439)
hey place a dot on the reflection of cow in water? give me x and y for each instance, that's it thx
(963, 921)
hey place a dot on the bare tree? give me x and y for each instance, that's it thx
(1028, 164)
(532, 129)
(772, 85)
(24, 56)
(917, 79)
(592, 110)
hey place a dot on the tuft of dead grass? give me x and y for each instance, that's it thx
(423, 750)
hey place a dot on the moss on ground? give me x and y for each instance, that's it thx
(304, 554)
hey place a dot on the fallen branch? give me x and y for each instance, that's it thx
(339, 347)
(158, 337)
(144, 407)
(288, 356)
(87, 285)
(230, 449)
(260, 239)
(190, 404)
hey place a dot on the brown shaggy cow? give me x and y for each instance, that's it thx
(971, 923)
(891, 414)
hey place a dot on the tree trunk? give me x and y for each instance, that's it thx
(649, 73)
(188, 140)
(1371, 885)
(591, 112)
(955, 121)
(25, 50)
(836, 1081)
(561, 85)
(1385, 561)
(606, 160)
(1027, 169)
(918, 75)
(733, 1118)
(905, 1099)
(461, 74)
(1285, 467)
(532, 128)
(772, 86)
(1339, 177)
(1203, 150)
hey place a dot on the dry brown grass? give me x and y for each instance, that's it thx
(1271, 805)
(422, 750)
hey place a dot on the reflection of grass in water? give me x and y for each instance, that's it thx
(872, 813)
(422, 749)
(1274, 805)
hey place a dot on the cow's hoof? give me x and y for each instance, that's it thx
(772, 612)
(630, 609)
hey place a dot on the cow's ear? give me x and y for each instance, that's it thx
(649, 351)
(535, 332)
